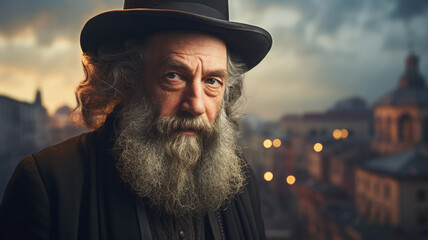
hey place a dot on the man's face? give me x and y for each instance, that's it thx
(186, 74)
(176, 147)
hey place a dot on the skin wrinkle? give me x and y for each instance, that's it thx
(199, 54)
(174, 172)
(95, 100)
(223, 74)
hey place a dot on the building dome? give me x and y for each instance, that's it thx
(411, 89)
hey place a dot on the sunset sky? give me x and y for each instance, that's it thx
(323, 51)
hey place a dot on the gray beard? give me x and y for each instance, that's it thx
(176, 173)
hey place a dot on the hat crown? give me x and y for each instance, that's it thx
(211, 8)
(141, 18)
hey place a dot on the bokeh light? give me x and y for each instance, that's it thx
(318, 147)
(344, 133)
(276, 143)
(267, 143)
(291, 179)
(268, 176)
(337, 134)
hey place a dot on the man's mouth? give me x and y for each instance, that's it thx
(188, 132)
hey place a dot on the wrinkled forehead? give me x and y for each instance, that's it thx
(187, 43)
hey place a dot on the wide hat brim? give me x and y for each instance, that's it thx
(249, 43)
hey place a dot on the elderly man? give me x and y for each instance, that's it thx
(162, 82)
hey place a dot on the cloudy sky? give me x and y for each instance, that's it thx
(323, 50)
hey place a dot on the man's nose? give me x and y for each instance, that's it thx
(193, 99)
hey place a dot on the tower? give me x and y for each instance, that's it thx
(38, 99)
(401, 116)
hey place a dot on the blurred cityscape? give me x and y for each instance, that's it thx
(353, 171)
(26, 128)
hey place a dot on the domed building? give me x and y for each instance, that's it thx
(401, 116)
(392, 188)
(371, 188)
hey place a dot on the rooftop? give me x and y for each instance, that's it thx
(412, 163)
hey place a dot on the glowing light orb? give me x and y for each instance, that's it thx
(276, 143)
(318, 147)
(337, 134)
(268, 176)
(291, 179)
(344, 133)
(267, 143)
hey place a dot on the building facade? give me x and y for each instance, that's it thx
(23, 124)
(369, 187)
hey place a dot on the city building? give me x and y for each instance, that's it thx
(363, 187)
(350, 113)
(392, 189)
(23, 124)
(24, 128)
(401, 117)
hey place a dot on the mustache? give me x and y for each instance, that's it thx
(170, 125)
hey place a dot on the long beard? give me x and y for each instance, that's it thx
(176, 173)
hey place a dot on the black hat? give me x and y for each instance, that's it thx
(144, 17)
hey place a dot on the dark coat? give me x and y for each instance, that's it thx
(73, 191)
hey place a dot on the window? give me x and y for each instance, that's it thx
(387, 217)
(376, 188)
(421, 195)
(388, 129)
(405, 128)
(376, 214)
(386, 191)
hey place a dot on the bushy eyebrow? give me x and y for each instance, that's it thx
(171, 63)
(174, 64)
(219, 73)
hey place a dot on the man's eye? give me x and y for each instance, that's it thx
(172, 75)
(213, 81)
